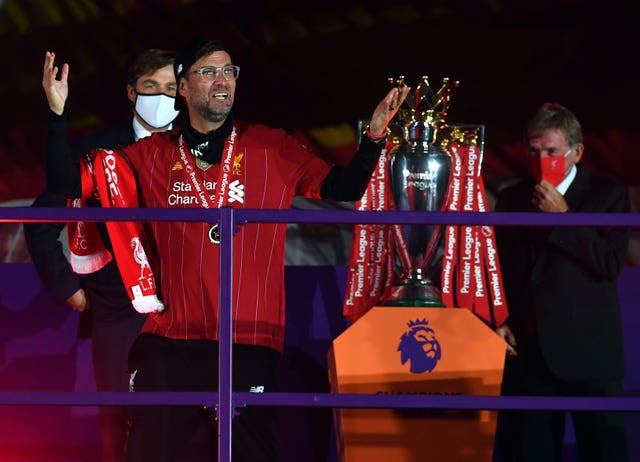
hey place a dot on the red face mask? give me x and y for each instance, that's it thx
(549, 168)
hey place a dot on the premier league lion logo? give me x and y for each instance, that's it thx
(420, 346)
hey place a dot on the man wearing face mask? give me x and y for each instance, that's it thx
(564, 327)
(100, 296)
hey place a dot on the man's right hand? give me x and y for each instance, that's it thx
(546, 198)
(507, 335)
(55, 90)
(78, 301)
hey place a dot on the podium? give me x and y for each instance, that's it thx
(404, 350)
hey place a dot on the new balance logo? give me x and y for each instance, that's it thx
(132, 378)
(257, 389)
(236, 192)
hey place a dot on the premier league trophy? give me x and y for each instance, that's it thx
(419, 179)
(427, 166)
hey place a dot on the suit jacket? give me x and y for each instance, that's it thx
(105, 288)
(568, 277)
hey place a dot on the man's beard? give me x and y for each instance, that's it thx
(211, 115)
(215, 116)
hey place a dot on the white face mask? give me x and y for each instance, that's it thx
(156, 110)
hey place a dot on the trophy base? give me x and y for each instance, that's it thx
(414, 293)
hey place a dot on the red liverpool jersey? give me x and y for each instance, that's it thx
(270, 168)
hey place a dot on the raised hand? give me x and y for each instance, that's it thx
(56, 90)
(387, 109)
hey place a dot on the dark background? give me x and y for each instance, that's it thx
(308, 64)
(313, 63)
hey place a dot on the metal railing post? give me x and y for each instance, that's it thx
(225, 366)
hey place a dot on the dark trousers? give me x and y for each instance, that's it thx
(166, 433)
(111, 341)
(532, 436)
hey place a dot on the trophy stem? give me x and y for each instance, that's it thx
(414, 290)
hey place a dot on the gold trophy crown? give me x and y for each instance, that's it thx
(422, 105)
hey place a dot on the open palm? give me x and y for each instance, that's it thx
(56, 90)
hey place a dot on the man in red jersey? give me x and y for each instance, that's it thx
(213, 160)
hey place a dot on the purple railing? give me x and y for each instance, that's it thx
(226, 400)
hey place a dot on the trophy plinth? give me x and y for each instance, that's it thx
(420, 173)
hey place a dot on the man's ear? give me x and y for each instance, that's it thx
(131, 94)
(181, 88)
(579, 151)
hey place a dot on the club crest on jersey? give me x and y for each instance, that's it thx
(236, 165)
(236, 192)
(420, 346)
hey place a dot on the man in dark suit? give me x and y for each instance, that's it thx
(151, 89)
(564, 328)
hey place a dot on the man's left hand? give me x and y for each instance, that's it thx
(387, 109)
(546, 198)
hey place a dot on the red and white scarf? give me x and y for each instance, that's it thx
(87, 254)
(108, 176)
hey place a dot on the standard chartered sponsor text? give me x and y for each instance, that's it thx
(183, 194)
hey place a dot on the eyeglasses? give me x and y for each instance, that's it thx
(209, 74)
